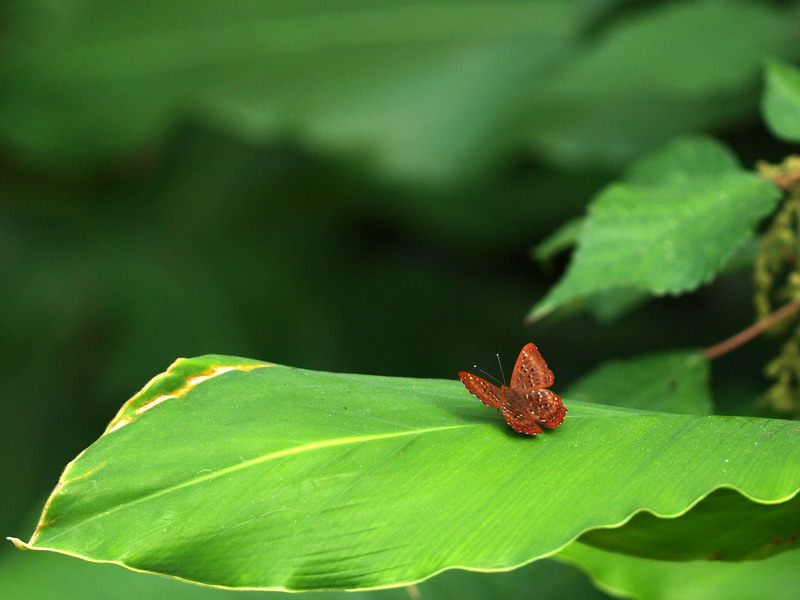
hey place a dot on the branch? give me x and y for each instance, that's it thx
(755, 329)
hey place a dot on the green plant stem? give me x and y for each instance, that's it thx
(755, 329)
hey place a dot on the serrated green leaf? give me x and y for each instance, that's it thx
(560, 240)
(781, 100)
(684, 161)
(241, 474)
(610, 305)
(668, 227)
(676, 381)
(777, 578)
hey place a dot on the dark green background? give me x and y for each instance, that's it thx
(143, 218)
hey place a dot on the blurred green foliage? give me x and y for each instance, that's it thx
(347, 185)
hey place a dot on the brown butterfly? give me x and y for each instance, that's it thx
(526, 403)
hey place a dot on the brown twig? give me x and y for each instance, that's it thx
(748, 334)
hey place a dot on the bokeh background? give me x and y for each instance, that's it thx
(346, 185)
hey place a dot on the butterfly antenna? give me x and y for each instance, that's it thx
(488, 375)
(503, 375)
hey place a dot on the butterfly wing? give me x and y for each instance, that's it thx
(526, 412)
(547, 407)
(530, 372)
(486, 392)
(519, 417)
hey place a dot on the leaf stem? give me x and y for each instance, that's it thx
(749, 333)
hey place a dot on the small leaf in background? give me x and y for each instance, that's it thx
(232, 474)
(781, 100)
(668, 227)
(675, 381)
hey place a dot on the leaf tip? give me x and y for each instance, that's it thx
(537, 314)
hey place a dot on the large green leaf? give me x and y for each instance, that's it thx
(781, 100)
(668, 227)
(777, 578)
(678, 381)
(243, 474)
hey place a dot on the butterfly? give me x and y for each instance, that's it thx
(526, 403)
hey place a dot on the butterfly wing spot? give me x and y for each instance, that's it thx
(486, 392)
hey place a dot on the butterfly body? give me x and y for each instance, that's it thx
(525, 403)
